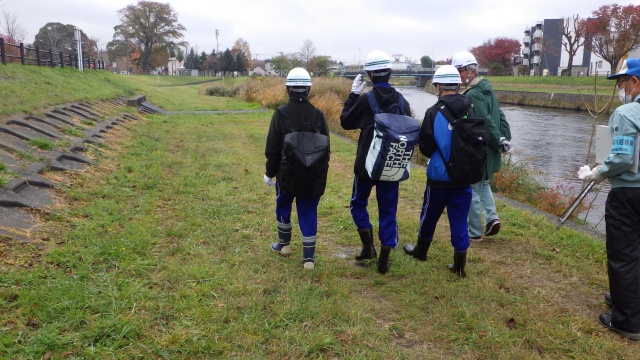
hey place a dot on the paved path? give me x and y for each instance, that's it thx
(217, 111)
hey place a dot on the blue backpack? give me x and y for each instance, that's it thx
(394, 138)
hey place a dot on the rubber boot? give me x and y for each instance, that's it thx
(368, 249)
(420, 250)
(383, 260)
(284, 239)
(308, 252)
(459, 262)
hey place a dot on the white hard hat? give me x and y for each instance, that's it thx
(377, 60)
(298, 77)
(446, 74)
(463, 58)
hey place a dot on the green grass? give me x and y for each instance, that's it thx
(42, 144)
(161, 250)
(73, 131)
(558, 84)
(29, 89)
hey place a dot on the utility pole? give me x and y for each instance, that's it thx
(217, 33)
(79, 48)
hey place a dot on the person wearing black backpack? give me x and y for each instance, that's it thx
(442, 191)
(357, 114)
(297, 153)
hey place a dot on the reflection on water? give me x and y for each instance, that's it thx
(553, 142)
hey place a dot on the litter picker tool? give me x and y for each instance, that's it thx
(575, 203)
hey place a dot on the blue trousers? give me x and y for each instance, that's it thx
(387, 197)
(457, 203)
(307, 209)
(483, 207)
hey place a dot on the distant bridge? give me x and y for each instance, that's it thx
(421, 76)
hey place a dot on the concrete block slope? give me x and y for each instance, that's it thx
(54, 140)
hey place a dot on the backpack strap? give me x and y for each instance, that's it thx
(287, 122)
(401, 103)
(285, 117)
(373, 103)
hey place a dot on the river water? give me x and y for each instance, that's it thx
(552, 142)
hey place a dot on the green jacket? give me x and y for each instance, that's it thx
(485, 106)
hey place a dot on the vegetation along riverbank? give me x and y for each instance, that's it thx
(161, 250)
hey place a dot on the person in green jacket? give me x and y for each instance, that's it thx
(483, 217)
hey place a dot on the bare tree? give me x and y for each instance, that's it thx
(573, 37)
(10, 27)
(307, 51)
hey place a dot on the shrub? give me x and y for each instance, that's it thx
(227, 89)
(521, 183)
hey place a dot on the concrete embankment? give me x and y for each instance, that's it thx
(556, 100)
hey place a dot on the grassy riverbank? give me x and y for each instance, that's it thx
(161, 250)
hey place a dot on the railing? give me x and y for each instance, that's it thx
(12, 53)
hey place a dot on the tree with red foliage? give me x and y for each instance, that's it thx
(498, 51)
(615, 32)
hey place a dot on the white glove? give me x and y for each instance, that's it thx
(269, 181)
(595, 176)
(358, 84)
(505, 146)
(584, 172)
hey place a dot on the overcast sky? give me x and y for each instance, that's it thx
(346, 30)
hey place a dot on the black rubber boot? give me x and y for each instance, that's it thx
(308, 252)
(420, 250)
(459, 262)
(284, 239)
(368, 249)
(383, 260)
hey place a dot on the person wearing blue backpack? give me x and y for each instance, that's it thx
(442, 191)
(358, 114)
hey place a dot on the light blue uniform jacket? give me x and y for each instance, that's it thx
(624, 125)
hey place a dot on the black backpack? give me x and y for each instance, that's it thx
(304, 163)
(394, 139)
(469, 139)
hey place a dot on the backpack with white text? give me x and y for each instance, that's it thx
(304, 163)
(469, 138)
(394, 138)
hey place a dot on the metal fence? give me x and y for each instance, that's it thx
(14, 53)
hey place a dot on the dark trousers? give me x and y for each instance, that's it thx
(457, 203)
(622, 215)
(387, 196)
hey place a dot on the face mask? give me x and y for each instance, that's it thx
(624, 98)
(622, 95)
